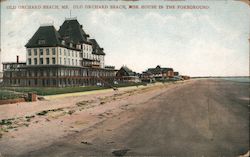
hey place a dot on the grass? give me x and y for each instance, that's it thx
(43, 113)
(82, 103)
(52, 90)
(6, 121)
(6, 94)
(56, 90)
(28, 118)
(70, 112)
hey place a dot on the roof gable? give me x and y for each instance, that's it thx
(45, 36)
(128, 71)
(96, 48)
(71, 31)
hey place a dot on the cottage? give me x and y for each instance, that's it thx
(126, 75)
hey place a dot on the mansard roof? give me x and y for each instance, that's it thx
(71, 31)
(96, 48)
(47, 34)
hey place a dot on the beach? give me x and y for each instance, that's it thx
(200, 117)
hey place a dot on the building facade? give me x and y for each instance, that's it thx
(157, 73)
(67, 57)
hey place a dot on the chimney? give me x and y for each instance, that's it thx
(17, 59)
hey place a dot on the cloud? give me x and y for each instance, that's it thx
(18, 29)
(192, 43)
(178, 41)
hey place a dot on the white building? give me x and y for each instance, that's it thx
(66, 57)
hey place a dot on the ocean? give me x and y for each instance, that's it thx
(238, 79)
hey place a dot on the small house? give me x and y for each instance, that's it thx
(125, 75)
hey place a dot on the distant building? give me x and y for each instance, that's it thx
(176, 73)
(66, 57)
(158, 73)
(126, 75)
(185, 77)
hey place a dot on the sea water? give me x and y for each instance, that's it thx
(238, 79)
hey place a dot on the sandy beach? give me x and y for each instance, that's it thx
(191, 118)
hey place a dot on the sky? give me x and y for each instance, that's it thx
(195, 42)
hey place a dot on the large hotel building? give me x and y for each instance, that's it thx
(67, 57)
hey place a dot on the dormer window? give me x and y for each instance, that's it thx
(63, 42)
(41, 42)
(71, 45)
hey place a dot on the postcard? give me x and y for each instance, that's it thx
(165, 78)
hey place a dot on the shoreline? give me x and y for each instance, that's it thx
(68, 115)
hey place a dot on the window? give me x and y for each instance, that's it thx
(35, 52)
(60, 60)
(72, 61)
(76, 62)
(64, 61)
(41, 52)
(47, 60)
(69, 61)
(53, 51)
(35, 61)
(40, 42)
(41, 60)
(53, 60)
(63, 42)
(69, 52)
(72, 53)
(60, 50)
(65, 52)
(29, 61)
(29, 52)
(47, 51)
